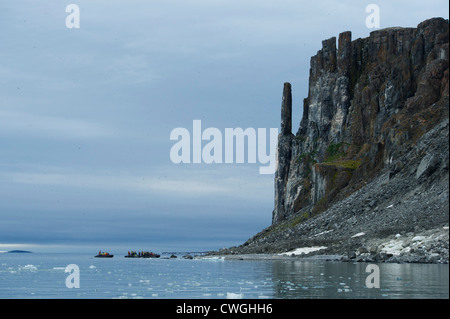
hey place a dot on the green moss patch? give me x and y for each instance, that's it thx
(350, 164)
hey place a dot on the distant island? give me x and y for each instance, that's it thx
(20, 252)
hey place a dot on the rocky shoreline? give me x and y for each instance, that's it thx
(428, 247)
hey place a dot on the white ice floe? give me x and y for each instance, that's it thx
(231, 295)
(303, 250)
(213, 258)
(59, 268)
(358, 234)
(29, 267)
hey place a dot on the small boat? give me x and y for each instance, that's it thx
(103, 255)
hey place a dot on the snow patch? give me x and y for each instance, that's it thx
(303, 250)
(322, 233)
(358, 234)
(419, 238)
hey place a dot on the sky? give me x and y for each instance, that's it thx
(86, 114)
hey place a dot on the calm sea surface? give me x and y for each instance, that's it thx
(41, 275)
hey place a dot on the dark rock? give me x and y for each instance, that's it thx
(366, 106)
(286, 110)
(371, 153)
(362, 250)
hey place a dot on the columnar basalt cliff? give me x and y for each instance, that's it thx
(367, 169)
(368, 101)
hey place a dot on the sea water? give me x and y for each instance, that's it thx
(43, 275)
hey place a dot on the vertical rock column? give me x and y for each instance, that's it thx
(286, 110)
(284, 155)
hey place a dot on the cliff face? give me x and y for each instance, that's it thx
(369, 102)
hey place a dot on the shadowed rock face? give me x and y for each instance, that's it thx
(367, 172)
(369, 102)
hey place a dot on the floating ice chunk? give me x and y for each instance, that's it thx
(214, 258)
(231, 295)
(29, 267)
(59, 268)
(92, 267)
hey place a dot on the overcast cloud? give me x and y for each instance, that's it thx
(86, 114)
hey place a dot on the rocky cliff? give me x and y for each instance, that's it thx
(371, 154)
(369, 101)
